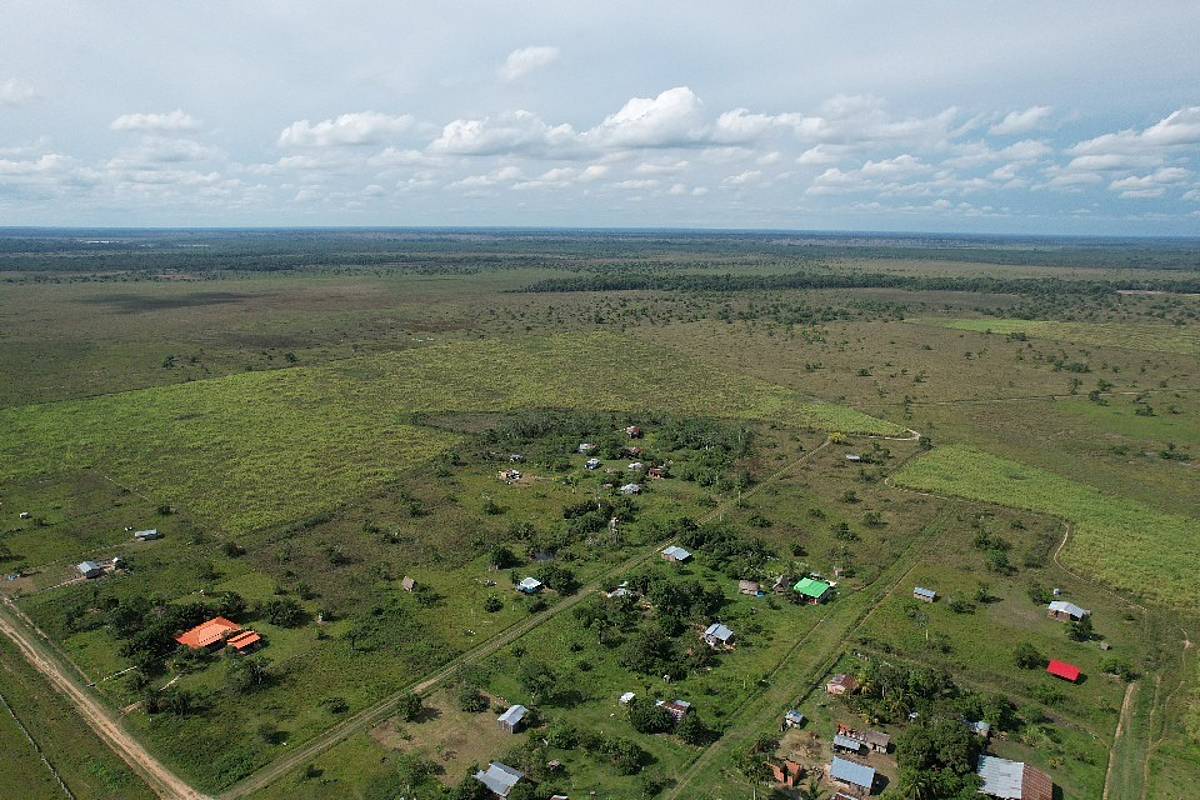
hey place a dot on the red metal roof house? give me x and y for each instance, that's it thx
(1061, 669)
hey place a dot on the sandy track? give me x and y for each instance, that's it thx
(160, 779)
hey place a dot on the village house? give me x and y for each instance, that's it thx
(499, 778)
(1061, 669)
(24, 515)
(633, 452)
(786, 772)
(1063, 611)
(792, 719)
(852, 776)
(509, 475)
(626, 698)
(782, 584)
(592, 463)
(678, 709)
(529, 585)
(1013, 780)
(636, 466)
(844, 744)
(812, 590)
(147, 535)
(875, 741)
(220, 632)
(980, 728)
(718, 636)
(676, 554)
(633, 432)
(516, 458)
(587, 448)
(89, 569)
(924, 595)
(513, 720)
(840, 685)
(408, 584)
(657, 473)
(853, 458)
(631, 489)
(749, 588)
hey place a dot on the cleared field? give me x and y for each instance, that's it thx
(1131, 547)
(1161, 338)
(261, 448)
(88, 768)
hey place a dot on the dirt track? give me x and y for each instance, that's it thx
(160, 779)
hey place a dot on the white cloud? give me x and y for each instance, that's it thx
(511, 132)
(14, 92)
(643, 183)
(823, 155)
(746, 178)
(673, 118)
(898, 167)
(660, 168)
(359, 128)
(1018, 122)
(1180, 127)
(526, 60)
(501, 175)
(169, 122)
(1149, 186)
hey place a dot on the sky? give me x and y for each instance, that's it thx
(993, 117)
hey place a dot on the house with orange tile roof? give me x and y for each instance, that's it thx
(219, 632)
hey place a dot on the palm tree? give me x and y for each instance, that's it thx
(916, 785)
(811, 791)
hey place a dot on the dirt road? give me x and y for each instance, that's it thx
(164, 782)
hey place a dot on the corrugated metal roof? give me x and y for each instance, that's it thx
(1001, 778)
(852, 772)
(810, 587)
(921, 591)
(719, 631)
(845, 741)
(677, 552)
(514, 715)
(499, 778)
(1063, 607)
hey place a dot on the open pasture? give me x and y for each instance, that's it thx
(1132, 548)
(1149, 336)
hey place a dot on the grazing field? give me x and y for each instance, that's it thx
(256, 449)
(1160, 337)
(82, 762)
(1132, 548)
(358, 444)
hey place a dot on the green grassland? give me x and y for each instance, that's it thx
(85, 764)
(260, 448)
(1161, 337)
(1133, 548)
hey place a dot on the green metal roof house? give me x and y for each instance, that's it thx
(813, 590)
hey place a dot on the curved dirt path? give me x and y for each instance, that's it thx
(161, 780)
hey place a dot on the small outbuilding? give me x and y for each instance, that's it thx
(529, 585)
(786, 772)
(924, 595)
(676, 554)
(678, 709)
(147, 535)
(592, 463)
(626, 698)
(89, 569)
(841, 685)
(718, 636)
(874, 741)
(793, 719)
(513, 720)
(844, 744)
(586, 448)
(853, 458)
(631, 489)
(658, 473)
(499, 778)
(633, 432)
(1063, 611)
(408, 584)
(749, 588)
(1061, 669)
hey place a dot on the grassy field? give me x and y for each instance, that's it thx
(84, 764)
(1161, 337)
(1135, 549)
